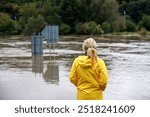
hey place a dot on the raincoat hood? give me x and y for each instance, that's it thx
(85, 61)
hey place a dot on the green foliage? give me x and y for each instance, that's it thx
(88, 28)
(106, 27)
(98, 30)
(65, 29)
(118, 25)
(7, 25)
(130, 26)
(75, 16)
(26, 11)
(143, 31)
(10, 8)
(34, 25)
(50, 12)
(98, 11)
(78, 28)
(135, 9)
(69, 12)
(145, 22)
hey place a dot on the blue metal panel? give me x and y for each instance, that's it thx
(37, 45)
(51, 34)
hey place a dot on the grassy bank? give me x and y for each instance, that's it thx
(116, 35)
(128, 35)
(15, 37)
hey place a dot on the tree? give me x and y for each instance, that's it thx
(65, 29)
(121, 1)
(51, 13)
(34, 25)
(136, 9)
(69, 12)
(106, 27)
(88, 28)
(145, 22)
(130, 26)
(100, 11)
(26, 11)
(7, 25)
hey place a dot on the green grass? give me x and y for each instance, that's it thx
(127, 35)
(115, 35)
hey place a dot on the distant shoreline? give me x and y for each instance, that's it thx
(117, 35)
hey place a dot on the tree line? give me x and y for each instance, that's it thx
(74, 16)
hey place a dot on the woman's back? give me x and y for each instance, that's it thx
(89, 75)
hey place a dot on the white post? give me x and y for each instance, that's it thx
(124, 14)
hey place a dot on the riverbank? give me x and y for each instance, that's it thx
(128, 35)
(116, 35)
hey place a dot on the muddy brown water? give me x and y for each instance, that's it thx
(23, 76)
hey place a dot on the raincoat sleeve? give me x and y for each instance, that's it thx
(103, 75)
(73, 73)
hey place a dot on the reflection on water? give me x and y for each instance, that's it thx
(51, 74)
(37, 64)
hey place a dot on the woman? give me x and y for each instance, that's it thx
(89, 73)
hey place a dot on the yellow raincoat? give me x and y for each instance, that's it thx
(90, 77)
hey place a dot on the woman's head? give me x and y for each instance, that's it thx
(89, 43)
(89, 46)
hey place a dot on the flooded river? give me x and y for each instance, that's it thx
(23, 76)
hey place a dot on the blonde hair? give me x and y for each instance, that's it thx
(89, 45)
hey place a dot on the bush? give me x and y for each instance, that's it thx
(130, 26)
(143, 31)
(98, 30)
(106, 27)
(88, 28)
(7, 25)
(145, 22)
(34, 25)
(78, 29)
(65, 29)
